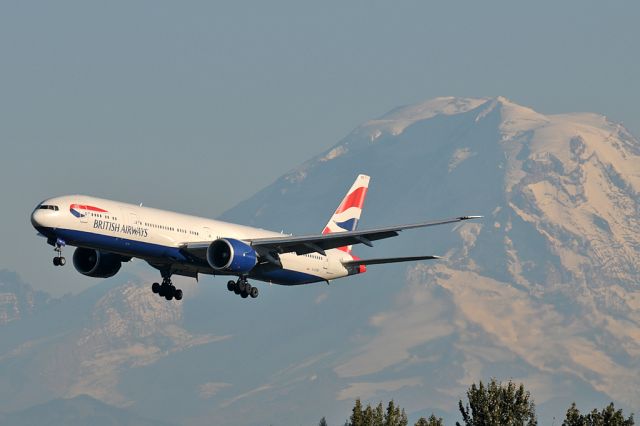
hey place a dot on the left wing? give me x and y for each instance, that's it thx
(320, 243)
(358, 262)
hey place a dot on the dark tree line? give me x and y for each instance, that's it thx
(493, 404)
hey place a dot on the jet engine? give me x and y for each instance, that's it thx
(229, 255)
(95, 263)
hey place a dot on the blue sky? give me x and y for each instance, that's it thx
(195, 106)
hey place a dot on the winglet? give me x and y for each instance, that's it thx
(470, 217)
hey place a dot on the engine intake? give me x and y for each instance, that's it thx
(95, 263)
(227, 254)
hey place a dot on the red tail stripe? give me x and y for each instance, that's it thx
(355, 199)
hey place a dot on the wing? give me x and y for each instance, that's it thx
(319, 243)
(387, 260)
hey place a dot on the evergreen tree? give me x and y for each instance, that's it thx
(368, 416)
(435, 421)
(432, 421)
(357, 415)
(323, 422)
(498, 405)
(392, 416)
(378, 415)
(403, 421)
(609, 416)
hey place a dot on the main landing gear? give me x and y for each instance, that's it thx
(243, 288)
(59, 260)
(167, 289)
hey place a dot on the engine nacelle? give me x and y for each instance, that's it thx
(95, 263)
(227, 254)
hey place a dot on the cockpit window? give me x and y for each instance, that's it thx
(48, 207)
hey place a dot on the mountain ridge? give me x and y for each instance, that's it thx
(81, 409)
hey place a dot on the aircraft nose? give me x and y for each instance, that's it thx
(44, 216)
(36, 218)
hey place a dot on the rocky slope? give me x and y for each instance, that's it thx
(85, 345)
(17, 299)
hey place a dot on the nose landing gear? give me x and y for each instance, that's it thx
(59, 260)
(243, 288)
(167, 289)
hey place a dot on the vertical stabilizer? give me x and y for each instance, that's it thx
(347, 214)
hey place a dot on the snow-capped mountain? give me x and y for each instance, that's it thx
(543, 290)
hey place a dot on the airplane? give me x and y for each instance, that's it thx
(107, 233)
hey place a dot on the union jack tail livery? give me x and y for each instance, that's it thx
(347, 215)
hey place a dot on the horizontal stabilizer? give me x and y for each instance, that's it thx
(388, 260)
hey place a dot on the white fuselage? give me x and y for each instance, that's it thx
(158, 235)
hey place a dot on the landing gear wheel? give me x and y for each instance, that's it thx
(169, 292)
(166, 289)
(253, 292)
(58, 260)
(242, 288)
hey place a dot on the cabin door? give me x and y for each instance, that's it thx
(206, 234)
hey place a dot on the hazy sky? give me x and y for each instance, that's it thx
(195, 106)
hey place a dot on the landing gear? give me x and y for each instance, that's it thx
(243, 288)
(59, 260)
(167, 289)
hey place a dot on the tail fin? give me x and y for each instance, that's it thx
(347, 214)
